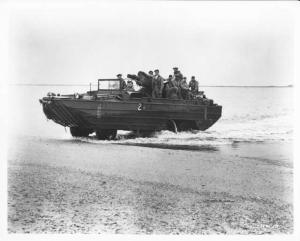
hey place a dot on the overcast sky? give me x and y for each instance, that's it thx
(221, 44)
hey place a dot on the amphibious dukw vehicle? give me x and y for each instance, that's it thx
(109, 108)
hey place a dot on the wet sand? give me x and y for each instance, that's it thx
(67, 186)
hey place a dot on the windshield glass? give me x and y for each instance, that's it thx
(109, 85)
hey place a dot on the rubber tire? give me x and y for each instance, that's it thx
(79, 132)
(146, 133)
(106, 134)
(185, 126)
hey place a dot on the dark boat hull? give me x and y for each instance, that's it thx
(133, 114)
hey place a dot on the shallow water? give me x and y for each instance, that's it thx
(249, 115)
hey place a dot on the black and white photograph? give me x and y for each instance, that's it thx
(150, 118)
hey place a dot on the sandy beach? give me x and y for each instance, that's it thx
(71, 186)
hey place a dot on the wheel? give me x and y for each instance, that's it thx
(79, 132)
(143, 133)
(106, 134)
(146, 133)
(185, 126)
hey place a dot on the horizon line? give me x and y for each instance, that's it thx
(253, 86)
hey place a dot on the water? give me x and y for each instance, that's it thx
(249, 115)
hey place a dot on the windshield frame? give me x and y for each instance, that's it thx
(106, 80)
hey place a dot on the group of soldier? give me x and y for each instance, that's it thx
(174, 85)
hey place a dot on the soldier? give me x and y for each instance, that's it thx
(171, 90)
(170, 81)
(129, 86)
(177, 77)
(122, 82)
(167, 85)
(150, 73)
(184, 84)
(177, 74)
(194, 85)
(174, 70)
(184, 89)
(157, 85)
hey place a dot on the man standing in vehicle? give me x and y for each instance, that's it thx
(184, 88)
(122, 82)
(175, 69)
(194, 85)
(157, 85)
(177, 78)
(177, 74)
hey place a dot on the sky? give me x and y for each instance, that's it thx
(219, 43)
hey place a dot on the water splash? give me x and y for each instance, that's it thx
(225, 133)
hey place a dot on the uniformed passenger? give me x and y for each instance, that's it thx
(184, 84)
(175, 69)
(184, 89)
(122, 82)
(176, 80)
(194, 85)
(177, 77)
(129, 86)
(170, 81)
(165, 87)
(177, 74)
(171, 91)
(157, 85)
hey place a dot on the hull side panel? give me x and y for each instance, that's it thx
(128, 115)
